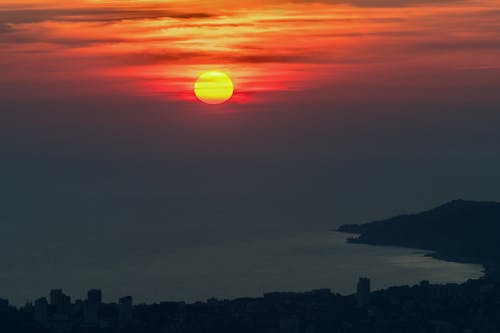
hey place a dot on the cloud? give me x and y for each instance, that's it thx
(5, 28)
(385, 3)
(456, 45)
(92, 15)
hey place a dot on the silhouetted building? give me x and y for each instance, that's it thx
(91, 307)
(41, 310)
(4, 306)
(60, 302)
(94, 296)
(66, 305)
(56, 296)
(471, 307)
(4, 303)
(77, 308)
(28, 306)
(125, 310)
(363, 292)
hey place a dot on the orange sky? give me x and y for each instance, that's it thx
(158, 48)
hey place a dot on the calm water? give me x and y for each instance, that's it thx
(297, 262)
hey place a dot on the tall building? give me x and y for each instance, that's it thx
(363, 292)
(125, 310)
(60, 302)
(94, 296)
(56, 297)
(91, 307)
(4, 303)
(41, 310)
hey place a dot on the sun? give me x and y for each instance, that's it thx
(214, 87)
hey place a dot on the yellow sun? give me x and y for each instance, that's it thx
(214, 87)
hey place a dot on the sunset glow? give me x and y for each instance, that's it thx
(214, 87)
(270, 48)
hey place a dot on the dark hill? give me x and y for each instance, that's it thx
(460, 230)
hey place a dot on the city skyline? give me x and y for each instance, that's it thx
(423, 307)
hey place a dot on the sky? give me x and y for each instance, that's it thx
(343, 112)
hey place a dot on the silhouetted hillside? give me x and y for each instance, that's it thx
(459, 230)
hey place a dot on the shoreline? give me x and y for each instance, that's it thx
(487, 269)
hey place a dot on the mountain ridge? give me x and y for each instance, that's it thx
(458, 230)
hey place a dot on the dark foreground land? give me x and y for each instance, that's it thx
(471, 307)
(459, 230)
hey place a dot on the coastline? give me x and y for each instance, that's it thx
(487, 268)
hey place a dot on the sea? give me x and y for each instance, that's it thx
(225, 270)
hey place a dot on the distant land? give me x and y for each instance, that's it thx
(460, 230)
